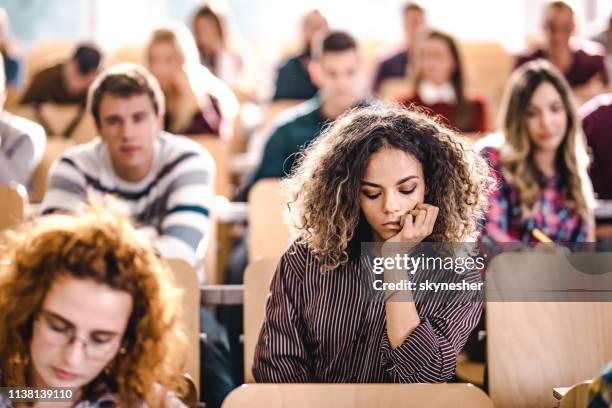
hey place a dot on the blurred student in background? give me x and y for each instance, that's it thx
(596, 117)
(22, 143)
(225, 59)
(439, 84)
(397, 66)
(197, 102)
(378, 174)
(540, 162)
(337, 70)
(86, 304)
(66, 82)
(583, 66)
(153, 172)
(293, 80)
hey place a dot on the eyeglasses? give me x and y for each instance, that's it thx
(58, 332)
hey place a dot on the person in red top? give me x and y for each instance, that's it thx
(596, 117)
(582, 64)
(439, 85)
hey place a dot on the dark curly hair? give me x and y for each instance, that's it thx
(323, 208)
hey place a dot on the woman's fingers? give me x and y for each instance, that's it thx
(417, 223)
(430, 220)
(431, 213)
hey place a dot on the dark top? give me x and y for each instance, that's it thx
(597, 123)
(476, 123)
(293, 80)
(299, 126)
(48, 86)
(331, 327)
(584, 66)
(12, 69)
(393, 67)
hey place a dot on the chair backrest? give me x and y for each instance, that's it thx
(59, 117)
(488, 65)
(13, 204)
(85, 131)
(577, 396)
(46, 53)
(54, 148)
(186, 278)
(268, 234)
(220, 150)
(257, 277)
(357, 396)
(392, 89)
(535, 346)
(133, 53)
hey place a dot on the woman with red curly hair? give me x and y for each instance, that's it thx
(86, 304)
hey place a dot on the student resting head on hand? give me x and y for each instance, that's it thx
(383, 174)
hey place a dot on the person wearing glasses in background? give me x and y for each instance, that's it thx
(86, 304)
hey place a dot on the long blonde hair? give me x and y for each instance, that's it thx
(202, 82)
(516, 153)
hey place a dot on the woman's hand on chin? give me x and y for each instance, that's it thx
(417, 224)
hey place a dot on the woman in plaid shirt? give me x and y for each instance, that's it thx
(539, 162)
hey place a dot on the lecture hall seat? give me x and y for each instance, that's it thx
(534, 346)
(268, 234)
(187, 280)
(357, 396)
(220, 150)
(13, 204)
(257, 278)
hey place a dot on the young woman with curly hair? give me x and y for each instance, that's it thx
(382, 174)
(85, 303)
(540, 162)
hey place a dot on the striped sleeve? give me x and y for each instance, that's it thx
(185, 225)
(429, 353)
(66, 187)
(280, 355)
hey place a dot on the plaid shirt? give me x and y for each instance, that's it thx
(504, 221)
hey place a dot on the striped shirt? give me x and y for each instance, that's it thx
(331, 327)
(171, 203)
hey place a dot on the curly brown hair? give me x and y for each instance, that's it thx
(100, 245)
(323, 209)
